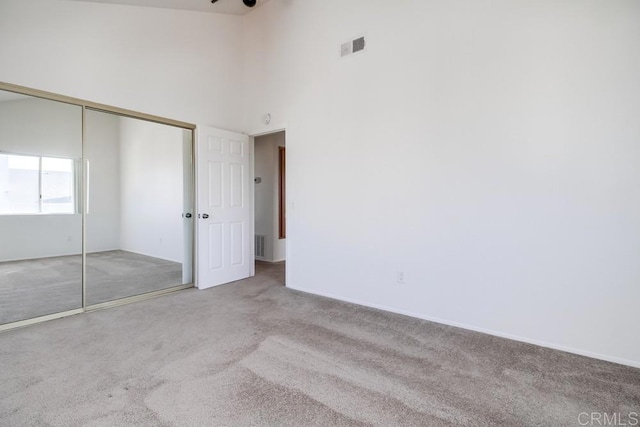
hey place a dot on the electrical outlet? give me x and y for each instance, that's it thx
(401, 277)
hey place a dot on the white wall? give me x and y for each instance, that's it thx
(46, 128)
(41, 127)
(266, 194)
(151, 189)
(177, 64)
(102, 150)
(487, 149)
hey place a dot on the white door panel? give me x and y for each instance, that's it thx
(224, 207)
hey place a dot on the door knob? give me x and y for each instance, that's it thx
(205, 216)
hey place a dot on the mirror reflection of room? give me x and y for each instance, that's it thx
(139, 187)
(40, 216)
(129, 180)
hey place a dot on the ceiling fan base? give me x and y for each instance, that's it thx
(248, 3)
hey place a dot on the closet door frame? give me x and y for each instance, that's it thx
(84, 104)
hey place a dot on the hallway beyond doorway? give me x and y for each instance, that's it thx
(272, 270)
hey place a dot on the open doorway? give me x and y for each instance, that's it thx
(270, 203)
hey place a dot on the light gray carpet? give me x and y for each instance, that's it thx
(256, 353)
(119, 274)
(38, 287)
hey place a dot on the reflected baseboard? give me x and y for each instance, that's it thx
(95, 307)
(136, 298)
(34, 320)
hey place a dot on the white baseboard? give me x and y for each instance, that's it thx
(607, 358)
(45, 256)
(150, 255)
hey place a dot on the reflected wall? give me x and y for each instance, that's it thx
(40, 216)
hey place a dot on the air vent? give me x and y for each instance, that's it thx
(358, 44)
(260, 245)
(353, 46)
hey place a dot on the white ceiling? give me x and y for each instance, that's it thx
(228, 7)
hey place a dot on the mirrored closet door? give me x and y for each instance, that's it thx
(40, 207)
(95, 208)
(138, 217)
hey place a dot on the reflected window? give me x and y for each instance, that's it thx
(37, 185)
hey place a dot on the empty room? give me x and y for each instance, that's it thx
(454, 240)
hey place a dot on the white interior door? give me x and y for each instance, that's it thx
(224, 214)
